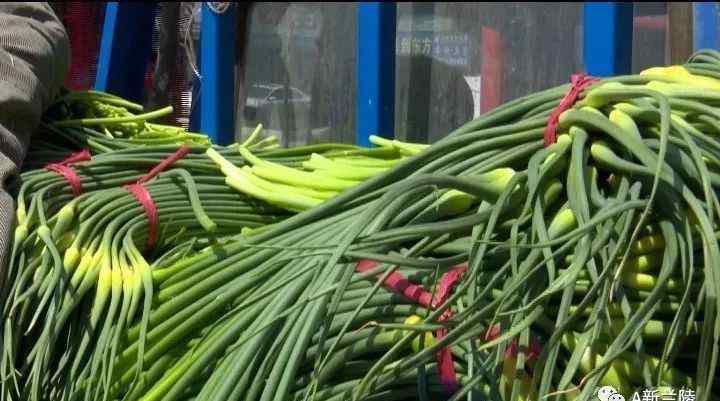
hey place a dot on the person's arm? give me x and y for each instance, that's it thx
(34, 57)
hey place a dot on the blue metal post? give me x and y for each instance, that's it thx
(125, 48)
(376, 70)
(217, 70)
(705, 25)
(607, 36)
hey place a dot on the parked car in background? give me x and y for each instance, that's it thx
(283, 111)
(261, 96)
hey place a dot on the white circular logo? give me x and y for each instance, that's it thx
(608, 393)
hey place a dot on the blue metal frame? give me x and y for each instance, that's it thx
(375, 70)
(125, 48)
(705, 25)
(217, 69)
(607, 51)
(607, 37)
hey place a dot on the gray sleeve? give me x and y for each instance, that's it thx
(34, 57)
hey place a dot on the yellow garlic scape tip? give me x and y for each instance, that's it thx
(680, 75)
(429, 338)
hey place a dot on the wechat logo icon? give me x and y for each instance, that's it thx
(608, 393)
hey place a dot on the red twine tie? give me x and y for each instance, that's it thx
(63, 168)
(446, 366)
(578, 83)
(143, 197)
(534, 348)
(398, 283)
(169, 161)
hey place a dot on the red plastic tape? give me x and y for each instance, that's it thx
(399, 283)
(70, 176)
(446, 366)
(578, 83)
(533, 352)
(81, 156)
(179, 154)
(447, 283)
(63, 168)
(142, 195)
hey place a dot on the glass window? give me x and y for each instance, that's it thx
(278, 95)
(458, 60)
(299, 76)
(257, 91)
(454, 61)
(298, 95)
(649, 31)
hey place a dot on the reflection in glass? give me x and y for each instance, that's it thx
(299, 78)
